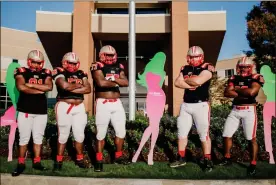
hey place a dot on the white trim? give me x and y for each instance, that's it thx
(51, 12)
(126, 15)
(142, 15)
(207, 12)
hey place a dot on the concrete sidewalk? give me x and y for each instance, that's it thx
(7, 179)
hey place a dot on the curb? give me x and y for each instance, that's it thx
(7, 179)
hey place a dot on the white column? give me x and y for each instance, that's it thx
(132, 60)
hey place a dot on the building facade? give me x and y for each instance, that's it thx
(160, 26)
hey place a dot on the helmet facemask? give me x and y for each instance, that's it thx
(195, 60)
(245, 67)
(244, 70)
(70, 62)
(195, 56)
(70, 66)
(35, 60)
(35, 65)
(108, 55)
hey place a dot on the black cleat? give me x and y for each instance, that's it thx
(80, 163)
(251, 170)
(121, 160)
(208, 165)
(57, 166)
(98, 166)
(18, 170)
(180, 162)
(226, 162)
(38, 166)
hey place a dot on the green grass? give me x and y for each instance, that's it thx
(160, 170)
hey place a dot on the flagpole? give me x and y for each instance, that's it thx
(132, 60)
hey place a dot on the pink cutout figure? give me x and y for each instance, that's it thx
(268, 113)
(269, 107)
(8, 119)
(155, 104)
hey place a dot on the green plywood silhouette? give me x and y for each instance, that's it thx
(10, 116)
(156, 66)
(269, 107)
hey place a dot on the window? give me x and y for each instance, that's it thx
(125, 11)
(5, 101)
(229, 73)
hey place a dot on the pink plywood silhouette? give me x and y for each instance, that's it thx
(269, 107)
(153, 78)
(8, 119)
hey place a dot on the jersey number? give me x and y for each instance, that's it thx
(242, 87)
(115, 75)
(35, 81)
(74, 80)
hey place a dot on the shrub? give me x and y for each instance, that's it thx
(166, 146)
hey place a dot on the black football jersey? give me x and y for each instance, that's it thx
(32, 103)
(108, 70)
(75, 77)
(201, 93)
(245, 82)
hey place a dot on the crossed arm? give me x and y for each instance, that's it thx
(122, 80)
(21, 86)
(48, 86)
(182, 84)
(102, 82)
(203, 77)
(233, 92)
(74, 87)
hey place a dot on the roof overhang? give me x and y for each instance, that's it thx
(206, 29)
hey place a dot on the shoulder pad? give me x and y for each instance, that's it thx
(204, 65)
(21, 69)
(232, 77)
(258, 77)
(47, 71)
(122, 66)
(82, 72)
(60, 69)
(57, 70)
(96, 66)
(182, 68)
(100, 65)
(208, 66)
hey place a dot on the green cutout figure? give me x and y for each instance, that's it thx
(269, 107)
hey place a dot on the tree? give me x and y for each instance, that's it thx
(216, 91)
(261, 34)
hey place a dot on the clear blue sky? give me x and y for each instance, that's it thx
(21, 15)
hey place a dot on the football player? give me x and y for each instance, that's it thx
(195, 79)
(243, 87)
(32, 83)
(72, 83)
(108, 75)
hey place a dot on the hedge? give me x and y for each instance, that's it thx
(166, 146)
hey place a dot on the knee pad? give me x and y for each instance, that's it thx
(79, 138)
(62, 138)
(24, 141)
(121, 133)
(204, 137)
(100, 135)
(38, 139)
